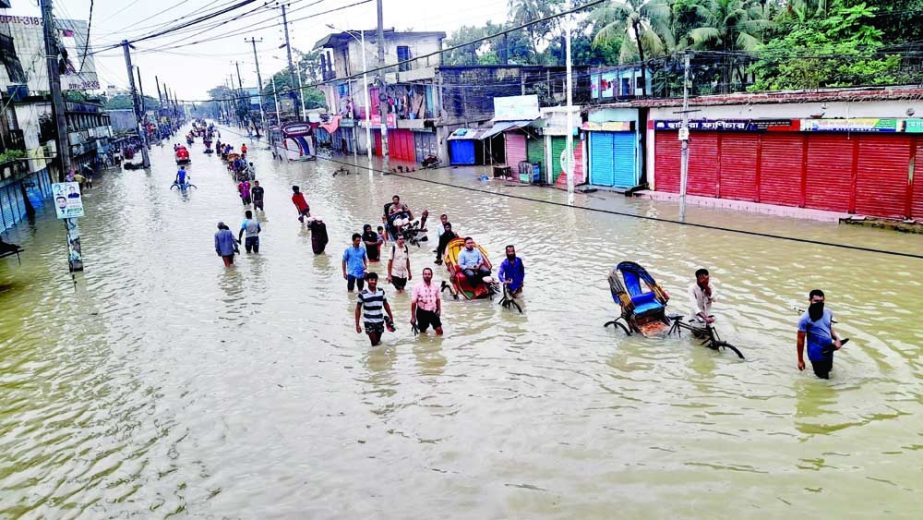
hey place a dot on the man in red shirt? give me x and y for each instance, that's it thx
(300, 204)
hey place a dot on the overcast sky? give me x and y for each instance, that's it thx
(192, 70)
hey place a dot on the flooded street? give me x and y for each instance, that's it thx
(167, 385)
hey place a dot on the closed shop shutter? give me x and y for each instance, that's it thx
(377, 136)
(557, 148)
(535, 152)
(579, 174)
(400, 145)
(738, 166)
(916, 210)
(515, 149)
(602, 167)
(666, 162)
(703, 164)
(461, 151)
(829, 182)
(780, 169)
(424, 145)
(623, 163)
(883, 169)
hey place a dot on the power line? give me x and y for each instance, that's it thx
(251, 29)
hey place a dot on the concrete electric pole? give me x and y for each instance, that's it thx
(291, 65)
(382, 87)
(684, 139)
(58, 109)
(259, 82)
(142, 132)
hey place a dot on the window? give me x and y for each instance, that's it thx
(403, 54)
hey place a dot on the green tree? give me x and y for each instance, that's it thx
(123, 102)
(525, 11)
(729, 26)
(840, 49)
(640, 25)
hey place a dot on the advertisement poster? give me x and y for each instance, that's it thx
(68, 203)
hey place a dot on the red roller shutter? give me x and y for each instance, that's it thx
(377, 134)
(738, 166)
(666, 162)
(401, 146)
(830, 166)
(881, 183)
(917, 205)
(703, 164)
(780, 169)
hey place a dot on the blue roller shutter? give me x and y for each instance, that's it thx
(623, 148)
(602, 170)
(462, 151)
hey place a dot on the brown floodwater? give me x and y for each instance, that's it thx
(167, 385)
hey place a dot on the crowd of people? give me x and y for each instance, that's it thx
(373, 314)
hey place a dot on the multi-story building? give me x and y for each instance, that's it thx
(410, 92)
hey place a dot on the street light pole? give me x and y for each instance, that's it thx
(382, 94)
(365, 82)
(684, 139)
(569, 150)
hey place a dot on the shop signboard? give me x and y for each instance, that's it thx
(731, 125)
(863, 124)
(913, 126)
(608, 126)
(516, 108)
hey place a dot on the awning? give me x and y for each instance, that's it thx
(503, 126)
(332, 125)
(465, 134)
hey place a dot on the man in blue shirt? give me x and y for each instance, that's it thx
(181, 177)
(512, 272)
(816, 325)
(252, 228)
(355, 262)
(472, 263)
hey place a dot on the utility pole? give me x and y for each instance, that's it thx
(57, 96)
(304, 116)
(240, 95)
(159, 95)
(275, 98)
(145, 158)
(684, 139)
(58, 109)
(259, 81)
(288, 49)
(569, 149)
(143, 104)
(382, 97)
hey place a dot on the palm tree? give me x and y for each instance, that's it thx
(729, 26)
(640, 23)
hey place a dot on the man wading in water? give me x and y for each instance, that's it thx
(817, 325)
(369, 307)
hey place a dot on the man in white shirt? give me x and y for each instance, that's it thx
(701, 296)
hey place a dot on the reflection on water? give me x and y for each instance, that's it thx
(167, 384)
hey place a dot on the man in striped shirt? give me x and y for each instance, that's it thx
(371, 302)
